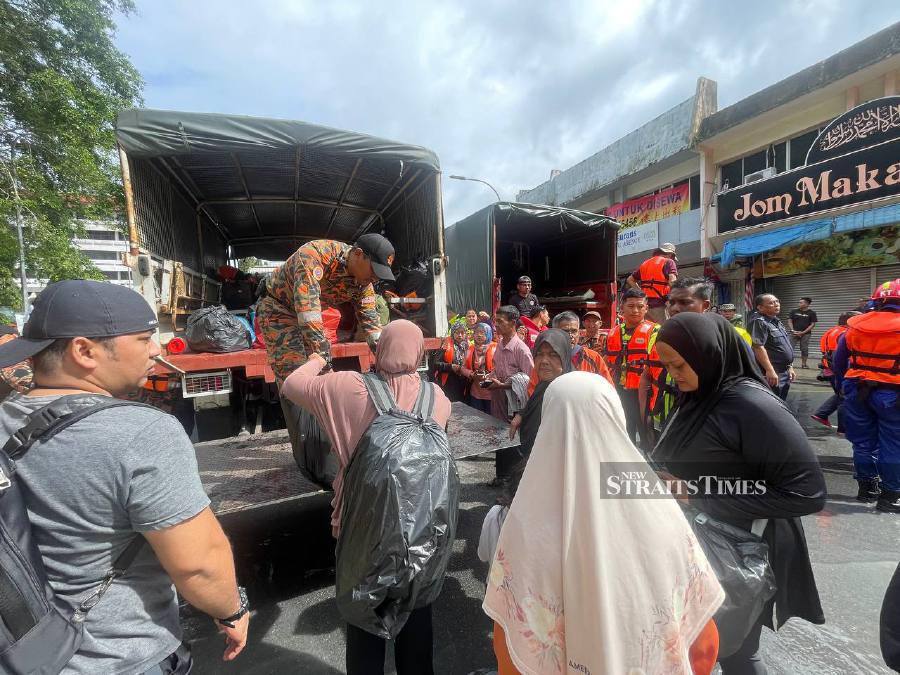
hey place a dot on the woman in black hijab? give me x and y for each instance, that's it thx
(729, 424)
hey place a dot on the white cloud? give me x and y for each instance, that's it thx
(501, 90)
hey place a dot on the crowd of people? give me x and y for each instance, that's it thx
(682, 410)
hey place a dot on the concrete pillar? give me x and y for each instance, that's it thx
(852, 97)
(708, 188)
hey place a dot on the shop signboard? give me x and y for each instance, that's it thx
(659, 205)
(856, 160)
(638, 238)
(842, 250)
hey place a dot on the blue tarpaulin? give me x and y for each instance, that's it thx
(754, 244)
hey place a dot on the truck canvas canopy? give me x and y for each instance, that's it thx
(561, 249)
(239, 186)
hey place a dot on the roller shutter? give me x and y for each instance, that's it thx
(833, 293)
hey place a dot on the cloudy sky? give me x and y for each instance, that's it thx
(502, 90)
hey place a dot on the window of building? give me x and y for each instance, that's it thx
(112, 275)
(102, 255)
(800, 145)
(695, 191)
(733, 174)
(106, 235)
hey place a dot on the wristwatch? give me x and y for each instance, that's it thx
(243, 609)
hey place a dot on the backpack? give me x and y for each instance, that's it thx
(39, 633)
(400, 500)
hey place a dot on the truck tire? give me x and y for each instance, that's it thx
(310, 446)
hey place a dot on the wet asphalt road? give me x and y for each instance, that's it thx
(285, 559)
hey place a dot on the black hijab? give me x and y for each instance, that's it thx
(714, 350)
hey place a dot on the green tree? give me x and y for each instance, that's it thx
(246, 264)
(62, 83)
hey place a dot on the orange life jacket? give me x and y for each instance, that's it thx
(658, 383)
(653, 280)
(873, 341)
(449, 351)
(635, 354)
(488, 359)
(828, 343)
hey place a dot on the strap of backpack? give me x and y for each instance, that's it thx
(424, 406)
(119, 568)
(45, 423)
(379, 392)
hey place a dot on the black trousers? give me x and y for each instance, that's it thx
(632, 408)
(746, 660)
(412, 648)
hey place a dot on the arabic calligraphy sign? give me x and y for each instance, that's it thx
(868, 124)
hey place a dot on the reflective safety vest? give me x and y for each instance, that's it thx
(873, 341)
(653, 281)
(488, 360)
(828, 343)
(631, 358)
(661, 387)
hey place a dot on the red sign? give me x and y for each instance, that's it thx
(662, 204)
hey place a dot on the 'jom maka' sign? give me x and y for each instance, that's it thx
(855, 159)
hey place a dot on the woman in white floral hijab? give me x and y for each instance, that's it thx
(588, 581)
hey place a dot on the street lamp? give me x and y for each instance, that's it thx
(478, 180)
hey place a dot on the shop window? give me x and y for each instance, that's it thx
(732, 174)
(778, 157)
(800, 146)
(755, 162)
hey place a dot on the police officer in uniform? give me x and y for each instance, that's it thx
(523, 299)
(867, 366)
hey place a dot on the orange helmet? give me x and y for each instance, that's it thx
(889, 290)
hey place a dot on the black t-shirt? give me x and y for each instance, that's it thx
(801, 319)
(525, 305)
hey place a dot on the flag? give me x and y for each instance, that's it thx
(749, 293)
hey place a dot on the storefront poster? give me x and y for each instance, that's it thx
(638, 238)
(846, 250)
(663, 204)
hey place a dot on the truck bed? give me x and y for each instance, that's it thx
(254, 471)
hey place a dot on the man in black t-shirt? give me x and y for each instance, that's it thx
(802, 321)
(523, 299)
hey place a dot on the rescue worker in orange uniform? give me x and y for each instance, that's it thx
(867, 366)
(583, 358)
(655, 276)
(828, 344)
(627, 353)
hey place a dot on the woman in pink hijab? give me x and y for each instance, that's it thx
(341, 404)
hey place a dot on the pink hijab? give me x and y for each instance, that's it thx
(340, 402)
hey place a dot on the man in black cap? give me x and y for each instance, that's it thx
(120, 473)
(523, 299)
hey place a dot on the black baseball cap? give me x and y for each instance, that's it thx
(79, 308)
(381, 253)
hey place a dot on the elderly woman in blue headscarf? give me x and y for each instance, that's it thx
(480, 364)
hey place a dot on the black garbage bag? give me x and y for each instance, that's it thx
(415, 278)
(401, 493)
(740, 560)
(213, 329)
(310, 445)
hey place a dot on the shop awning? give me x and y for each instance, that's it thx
(754, 244)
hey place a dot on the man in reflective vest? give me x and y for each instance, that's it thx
(654, 277)
(867, 366)
(828, 344)
(627, 351)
